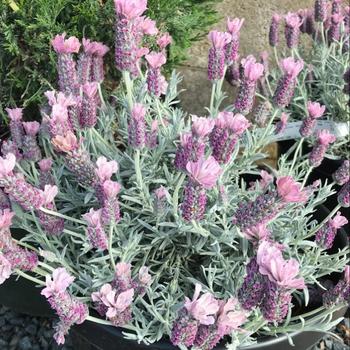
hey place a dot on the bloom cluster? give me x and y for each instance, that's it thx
(114, 299)
(269, 282)
(203, 321)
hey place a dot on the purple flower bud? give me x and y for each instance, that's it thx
(344, 195)
(184, 329)
(95, 231)
(324, 139)
(88, 116)
(320, 10)
(137, 127)
(273, 32)
(16, 127)
(30, 147)
(342, 174)
(334, 30)
(281, 125)
(292, 30)
(154, 78)
(261, 113)
(194, 202)
(336, 6)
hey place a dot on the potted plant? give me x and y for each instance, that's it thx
(137, 218)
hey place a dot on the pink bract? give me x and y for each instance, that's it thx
(7, 164)
(164, 41)
(105, 169)
(315, 110)
(93, 217)
(325, 137)
(253, 71)
(234, 25)
(65, 143)
(156, 59)
(45, 164)
(138, 111)
(123, 270)
(338, 221)
(290, 190)
(59, 282)
(148, 26)
(90, 89)
(292, 67)
(272, 264)
(219, 39)
(205, 171)
(202, 308)
(144, 276)
(111, 188)
(293, 20)
(202, 127)
(62, 45)
(5, 269)
(118, 303)
(15, 114)
(49, 193)
(161, 192)
(130, 8)
(6, 216)
(31, 128)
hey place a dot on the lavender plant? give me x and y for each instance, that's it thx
(129, 209)
(324, 78)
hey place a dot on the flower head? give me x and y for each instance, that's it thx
(315, 110)
(5, 269)
(59, 282)
(324, 137)
(205, 171)
(155, 59)
(338, 221)
(252, 70)
(117, 304)
(130, 8)
(230, 317)
(292, 67)
(164, 41)
(202, 127)
(31, 128)
(7, 164)
(62, 45)
(105, 169)
(202, 308)
(234, 25)
(219, 39)
(93, 217)
(6, 218)
(45, 164)
(293, 20)
(290, 190)
(238, 123)
(65, 143)
(282, 272)
(111, 188)
(161, 192)
(15, 114)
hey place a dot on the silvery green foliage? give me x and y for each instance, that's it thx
(322, 80)
(212, 252)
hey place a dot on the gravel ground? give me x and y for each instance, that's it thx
(22, 332)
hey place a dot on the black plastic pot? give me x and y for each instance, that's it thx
(24, 297)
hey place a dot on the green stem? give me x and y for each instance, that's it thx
(212, 98)
(300, 143)
(307, 175)
(138, 172)
(176, 193)
(30, 278)
(101, 95)
(128, 86)
(26, 245)
(59, 215)
(110, 245)
(276, 56)
(74, 234)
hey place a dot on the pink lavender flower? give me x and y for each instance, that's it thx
(281, 125)
(45, 174)
(16, 127)
(5, 269)
(88, 116)
(204, 172)
(342, 174)
(308, 21)
(137, 126)
(164, 41)
(324, 139)
(315, 111)
(68, 80)
(129, 34)
(320, 10)
(105, 169)
(292, 30)
(252, 72)
(195, 312)
(325, 235)
(77, 160)
(155, 62)
(50, 223)
(69, 310)
(110, 209)
(227, 131)
(232, 47)
(30, 147)
(290, 191)
(216, 59)
(202, 127)
(282, 272)
(334, 30)
(344, 195)
(95, 232)
(273, 32)
(286, 85)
